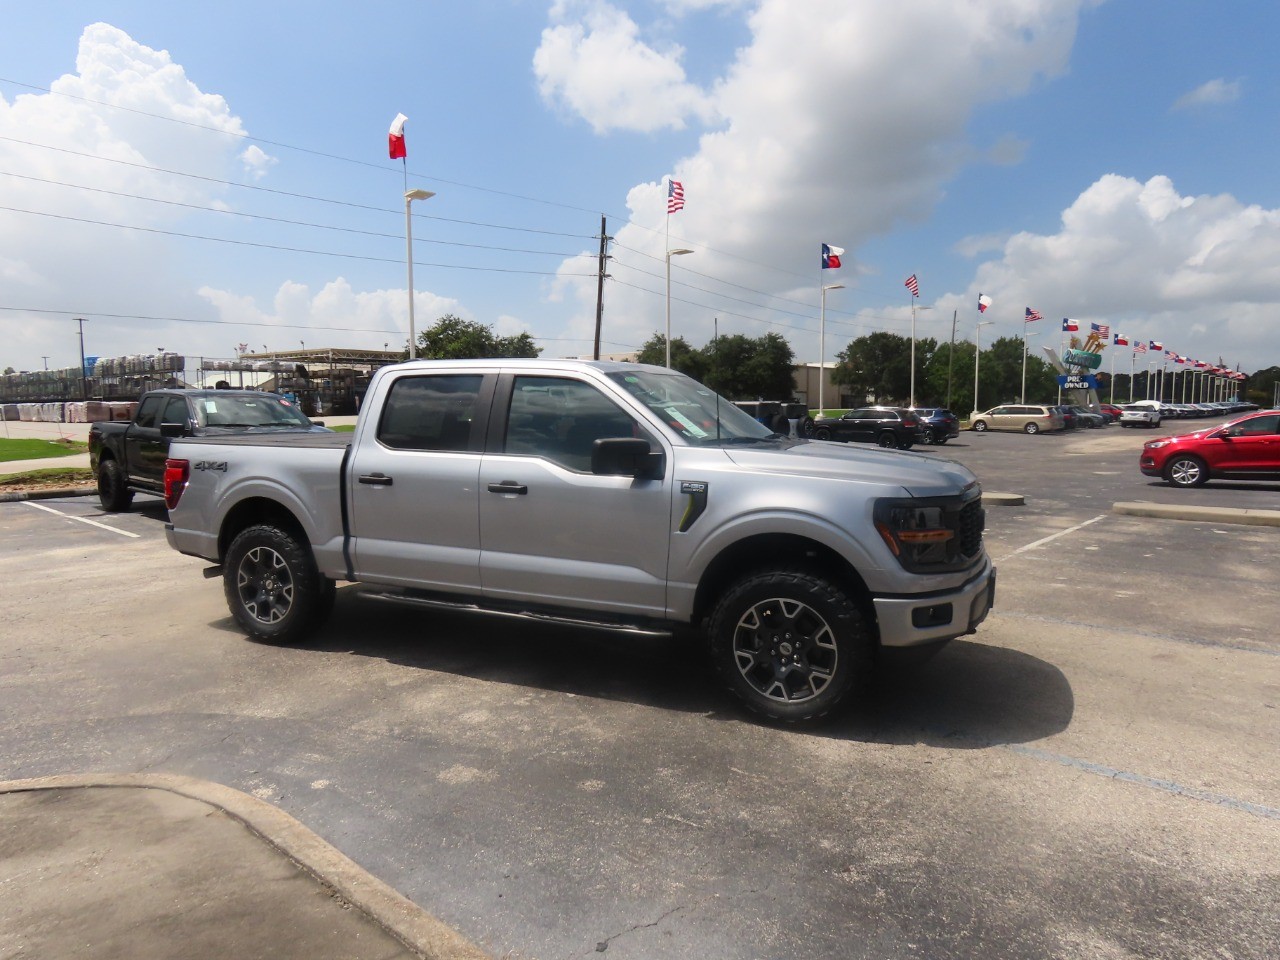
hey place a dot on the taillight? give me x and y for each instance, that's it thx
(176, 474)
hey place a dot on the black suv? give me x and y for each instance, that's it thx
(883, 426)
(938, 424)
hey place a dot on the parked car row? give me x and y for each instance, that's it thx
(890, 427)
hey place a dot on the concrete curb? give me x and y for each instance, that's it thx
(1003, 499)
(15, 495)
(394, 913)
(1240, 515)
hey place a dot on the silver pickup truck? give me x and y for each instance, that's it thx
(621, 496)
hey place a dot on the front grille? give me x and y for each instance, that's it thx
(970, 523)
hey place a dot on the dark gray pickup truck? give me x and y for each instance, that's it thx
(128, 455)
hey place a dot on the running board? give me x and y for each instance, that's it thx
(462, 606)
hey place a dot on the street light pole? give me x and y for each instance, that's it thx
(1025, 335)
(670, 254)
(822, 343)
(977, 351)
(409, 197)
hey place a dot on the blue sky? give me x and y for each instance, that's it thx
(1109, 161)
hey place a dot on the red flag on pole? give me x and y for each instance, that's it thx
(395, 139)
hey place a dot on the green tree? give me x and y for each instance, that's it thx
(948, 366)
(877, 366)
(684, 358)
(452, 338)
(1000, 376)
(750, 368)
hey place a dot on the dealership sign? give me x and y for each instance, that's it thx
(1082, 358)
(1085, 381)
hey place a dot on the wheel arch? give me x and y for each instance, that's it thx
(258, 510)
(764, 551)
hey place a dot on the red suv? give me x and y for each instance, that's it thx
(1245, 449)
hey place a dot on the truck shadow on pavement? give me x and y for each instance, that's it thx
(969, 696)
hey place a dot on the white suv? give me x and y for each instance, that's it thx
(1139, 415)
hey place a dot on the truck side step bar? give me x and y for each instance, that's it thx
(540, 616)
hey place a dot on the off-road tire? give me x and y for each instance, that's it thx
(113, 488)
(790, 645)
(272, 586)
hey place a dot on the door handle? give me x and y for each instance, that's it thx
(376, 479)
(508, 486)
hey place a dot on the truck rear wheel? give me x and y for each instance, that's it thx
(113, 489)
(272, 586)
(790, 645)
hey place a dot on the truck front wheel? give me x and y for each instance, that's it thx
(113, 490)
(272, 586)
(790, 645)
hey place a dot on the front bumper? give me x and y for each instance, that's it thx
(912, 621)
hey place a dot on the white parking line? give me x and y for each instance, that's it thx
(1060, 533)
(92, 523)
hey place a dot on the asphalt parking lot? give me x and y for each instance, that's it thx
(1096, 773)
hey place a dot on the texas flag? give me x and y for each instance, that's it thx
(395, 139)
(831, 256)
(983, 302)
(1121, 340)
(1069, 325)
(1156, 345)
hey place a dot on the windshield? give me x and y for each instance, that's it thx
(265, 410)
(693, 412)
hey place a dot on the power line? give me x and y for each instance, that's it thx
(285, 249)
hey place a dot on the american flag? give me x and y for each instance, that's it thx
(1170, 355)
(1139, 346)
(675, 196)
(1032, 315)
(913, 286)
(1101, 329)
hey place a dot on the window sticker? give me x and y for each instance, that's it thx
(210, 406)
(690, 427)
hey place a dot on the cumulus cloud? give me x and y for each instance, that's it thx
(257, 162)
(54, 254)
(594, 63)
(806, 106)
(1153, 263)
(337, 308)
(1209, 94)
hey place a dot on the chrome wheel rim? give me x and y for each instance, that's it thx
(1184, 473)
(265, 585)
(785, 650)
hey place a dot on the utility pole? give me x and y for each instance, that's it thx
(84, 385)
(600, 275)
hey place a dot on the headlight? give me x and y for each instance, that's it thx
(1156, 444)
(931, 535)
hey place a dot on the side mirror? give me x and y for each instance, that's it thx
(625, 457)
(171, 431)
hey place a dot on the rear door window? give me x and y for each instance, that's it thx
(436, 412)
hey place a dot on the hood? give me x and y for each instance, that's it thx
(917, 474)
